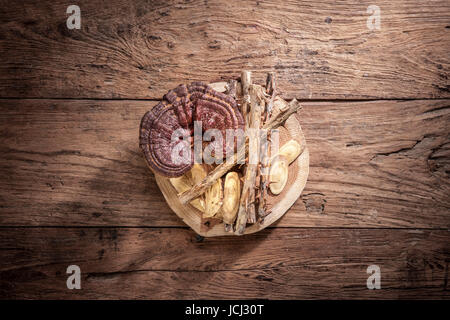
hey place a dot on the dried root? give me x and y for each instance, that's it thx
(231, 195)
(246, 81)
(213, 199)
(213, 195)
(278, 175)
(184, 183)
(197, 173)
(247, 211)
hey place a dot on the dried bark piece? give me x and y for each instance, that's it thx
(271, 91)
(176, 113)
(232, 88)
(265, 150)
(247, 201)
(263, 171)
(277, 120)
(246, 81)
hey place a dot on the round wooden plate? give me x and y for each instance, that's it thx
(279, 205)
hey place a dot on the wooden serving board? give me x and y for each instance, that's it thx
(279, 205)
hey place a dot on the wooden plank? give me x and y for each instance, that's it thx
(77, 163)
(320, 50)
(172, 263)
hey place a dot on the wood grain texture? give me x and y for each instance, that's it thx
(319, 50)
(77, 163)
(74, 187)
(174, 264)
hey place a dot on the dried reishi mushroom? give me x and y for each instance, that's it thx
(278, 175)
(231, 196)
(218, 111)
(176, 113)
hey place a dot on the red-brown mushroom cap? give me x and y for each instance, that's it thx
(176, 113)
(218, 111)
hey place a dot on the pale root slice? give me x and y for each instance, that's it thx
(278, 174)
(199, 204)
(197, 173)
(231, 195)
(290, 150)
(183, 183)
(213, 199)
(219, 86)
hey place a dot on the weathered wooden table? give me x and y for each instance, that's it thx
(75, 190)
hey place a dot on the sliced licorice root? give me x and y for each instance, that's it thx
(278, 174)
(231, 196)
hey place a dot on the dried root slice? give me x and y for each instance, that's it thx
(231, 195)
(181, 184)
(184, 183)
(290, 150)
(213, 199)
(219, 86)
(278, 175)
(197, 173)
(279, 165)
(199, 204)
